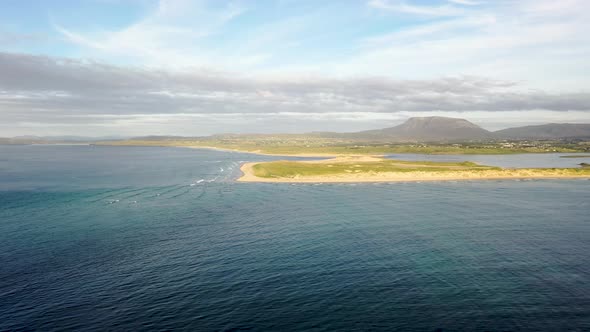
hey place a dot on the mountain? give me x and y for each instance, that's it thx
(425, 129)
(546, 131)
(444, 129)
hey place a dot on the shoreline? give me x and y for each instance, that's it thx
(337, 154)
(258, 152)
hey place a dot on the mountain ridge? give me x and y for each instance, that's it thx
(415, 129)
(448, 129)
(546, 131)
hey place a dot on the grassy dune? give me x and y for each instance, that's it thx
(382, 170)
(290, 169)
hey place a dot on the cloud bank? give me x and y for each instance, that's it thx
(51, 95)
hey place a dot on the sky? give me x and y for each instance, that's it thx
(194, 68)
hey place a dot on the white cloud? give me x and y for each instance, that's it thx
(419, 33)
(405, 7)
(520, 41)
(100, 99)
(170, 36)
(466, 2)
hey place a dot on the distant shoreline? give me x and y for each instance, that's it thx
(258, 152)
(331, 148)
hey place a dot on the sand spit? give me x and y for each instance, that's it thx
(408, 176)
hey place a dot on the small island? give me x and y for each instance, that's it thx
(377, 169)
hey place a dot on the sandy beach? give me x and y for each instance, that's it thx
(259, 152)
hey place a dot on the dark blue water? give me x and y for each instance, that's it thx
(107, 238)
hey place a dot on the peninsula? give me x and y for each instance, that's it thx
(376, 169)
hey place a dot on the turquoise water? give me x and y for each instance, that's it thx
(123, 238)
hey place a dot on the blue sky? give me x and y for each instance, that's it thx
(298, 64)
(227, 34)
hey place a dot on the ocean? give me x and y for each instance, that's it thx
(144, 238)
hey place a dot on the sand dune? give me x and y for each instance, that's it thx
(449, 173)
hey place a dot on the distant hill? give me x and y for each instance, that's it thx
(423, 129)
(444, 129)
(546, 131)
(416, 129)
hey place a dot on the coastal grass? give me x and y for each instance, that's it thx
(327, 169)
(290, 169)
